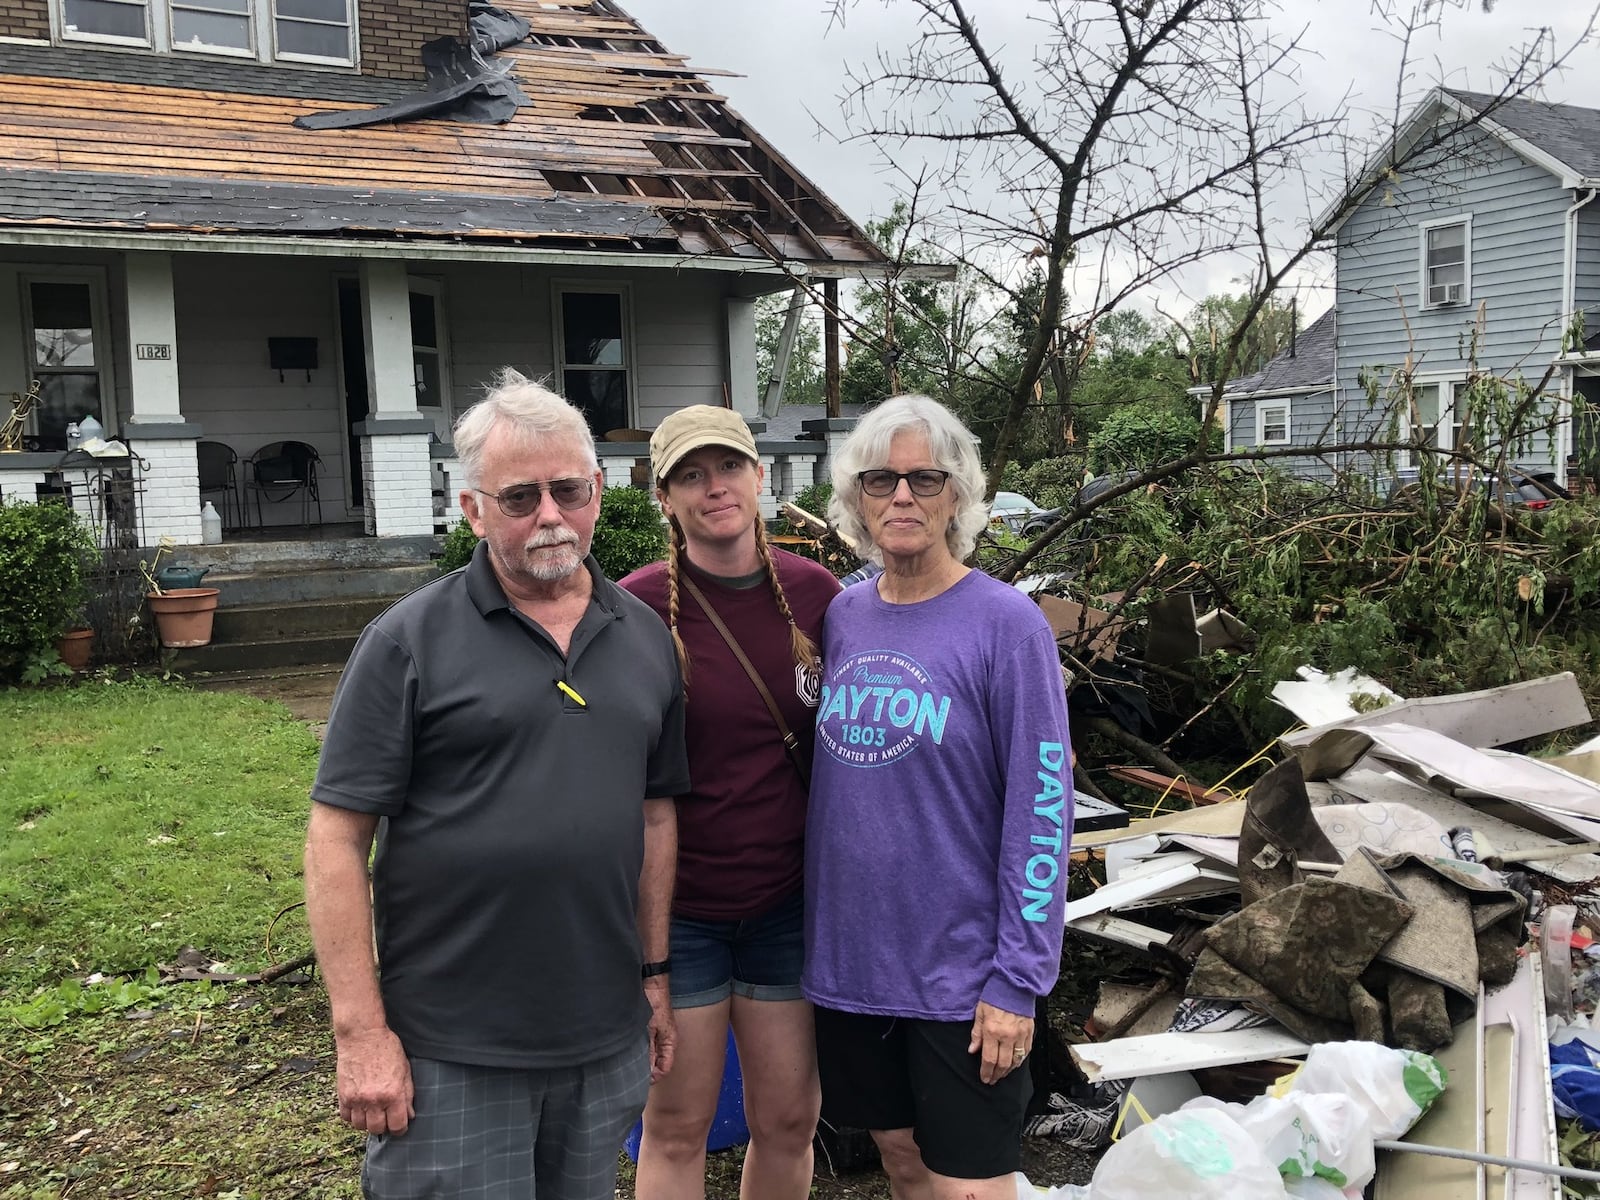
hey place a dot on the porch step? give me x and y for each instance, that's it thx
(257, 553)
(310, 582)
(274, 622)
(265, 655)
(282, 620)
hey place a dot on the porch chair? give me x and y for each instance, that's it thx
(282, 470)
(219, 473)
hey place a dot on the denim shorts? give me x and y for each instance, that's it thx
(759, 958)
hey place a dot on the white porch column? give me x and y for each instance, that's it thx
(742, 357)
(155, 427)
(396, 466)
(386, 321)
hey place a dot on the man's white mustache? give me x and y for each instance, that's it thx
(555, 537)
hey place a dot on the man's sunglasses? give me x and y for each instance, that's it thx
(884, 483)
(520, 499)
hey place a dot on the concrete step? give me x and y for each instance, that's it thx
(268, 655)
(294, 586)
(274, 622)
(243, 556)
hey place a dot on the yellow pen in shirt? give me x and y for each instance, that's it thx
(567, 688)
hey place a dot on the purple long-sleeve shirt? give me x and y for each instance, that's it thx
(941, 806)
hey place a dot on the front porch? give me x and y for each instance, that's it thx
(200, 363)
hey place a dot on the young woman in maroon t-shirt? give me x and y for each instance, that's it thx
(737, 937)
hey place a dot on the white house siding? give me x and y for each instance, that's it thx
(494, 315)
(227, 308)
(1517, 245)
(505, 316)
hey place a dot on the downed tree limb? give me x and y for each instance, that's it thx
(1135, 744)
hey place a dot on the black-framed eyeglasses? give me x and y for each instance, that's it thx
(520, 499)
(883, 483)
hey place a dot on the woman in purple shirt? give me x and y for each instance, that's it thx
(940, 820)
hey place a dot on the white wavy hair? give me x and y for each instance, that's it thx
(953, 448)
(532, 412)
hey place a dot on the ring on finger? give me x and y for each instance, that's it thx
(1018, 1054)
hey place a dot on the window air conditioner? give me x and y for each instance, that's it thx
(1445, 293)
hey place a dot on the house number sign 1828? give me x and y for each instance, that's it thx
(153, 350)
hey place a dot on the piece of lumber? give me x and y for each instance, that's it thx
(1161, 1053)
(1155, 781)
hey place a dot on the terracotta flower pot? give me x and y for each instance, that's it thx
(183, 615)
(75, 646)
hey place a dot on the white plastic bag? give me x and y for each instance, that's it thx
(1394, 1087)
(1312, 1136)
(1199, 1153)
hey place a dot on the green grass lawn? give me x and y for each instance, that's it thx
(137, 819)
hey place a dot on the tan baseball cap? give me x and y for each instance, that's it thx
(688, 429)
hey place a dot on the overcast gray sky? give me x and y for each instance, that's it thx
(793, 66)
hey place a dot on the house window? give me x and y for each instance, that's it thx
(309, 31)
(1438, 415)
(316, 31)
(428, 365)
(66, 343)
(1272, 423)
(1446, 262)
(595, 356)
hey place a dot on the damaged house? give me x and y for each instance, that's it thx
(228, 227)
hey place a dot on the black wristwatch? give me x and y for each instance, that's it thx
(651, 970)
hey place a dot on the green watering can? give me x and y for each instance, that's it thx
(174, 577)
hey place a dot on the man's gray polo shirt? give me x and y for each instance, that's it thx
(507, 874)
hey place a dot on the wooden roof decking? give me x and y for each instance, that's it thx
(615, 125)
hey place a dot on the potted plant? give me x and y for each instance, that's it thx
(75, 647)
(183, 611)
(47, 556)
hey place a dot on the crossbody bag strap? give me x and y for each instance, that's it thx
(791, 744)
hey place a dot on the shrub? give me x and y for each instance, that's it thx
(814, 499)
(629, 534)
(46, 555)
(458, 546)
(1138, 436)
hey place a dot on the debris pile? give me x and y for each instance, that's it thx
(1377, 888)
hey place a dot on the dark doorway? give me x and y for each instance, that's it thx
(353, 356)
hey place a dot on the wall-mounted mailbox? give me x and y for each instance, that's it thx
(292, 354)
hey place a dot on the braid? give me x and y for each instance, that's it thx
(674, 549)
(803, 648)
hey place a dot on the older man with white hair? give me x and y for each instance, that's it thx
(511, 734)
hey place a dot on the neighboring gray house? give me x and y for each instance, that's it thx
(1480, 255)
(1289, 401)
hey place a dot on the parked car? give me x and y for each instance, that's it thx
(1527, 487)
(1013, 510)
(1046, 517)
